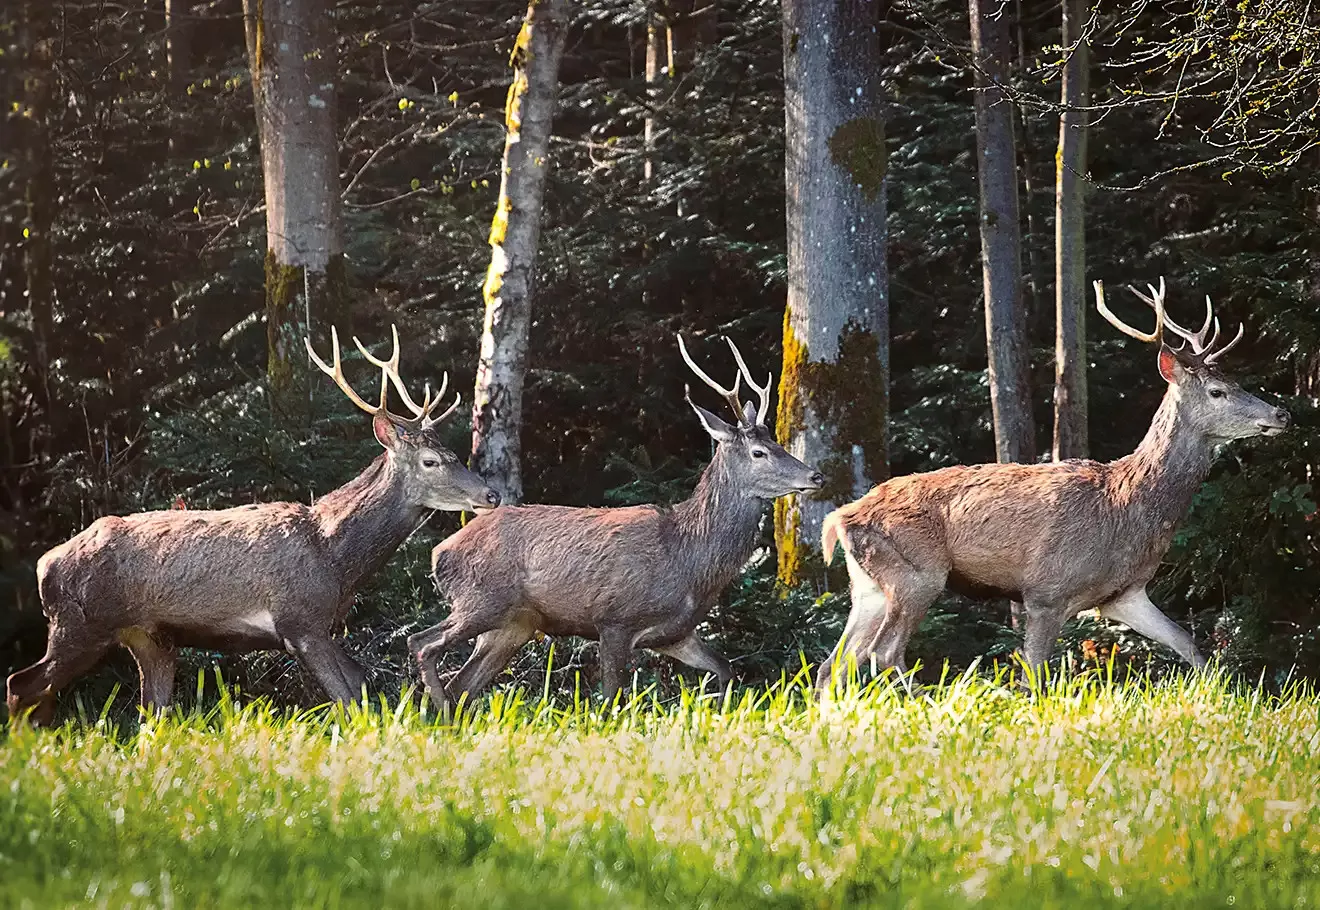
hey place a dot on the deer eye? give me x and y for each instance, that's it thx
(758, 453)
(430, 463)
(1216, 393)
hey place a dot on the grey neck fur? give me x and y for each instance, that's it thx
(1162, 475)
(718, 523)
(366, 520)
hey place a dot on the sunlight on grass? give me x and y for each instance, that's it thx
(1192, 792)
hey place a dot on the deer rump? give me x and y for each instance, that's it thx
(575, 570)
(1004, 530)
(188, 575)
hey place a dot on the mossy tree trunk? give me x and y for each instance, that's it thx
(1001, 256)
(514, 236)
(1071, 438)
(291, 53)
(834, 387)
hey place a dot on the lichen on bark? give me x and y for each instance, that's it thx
(858, 146)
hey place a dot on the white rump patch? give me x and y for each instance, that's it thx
(258, 622)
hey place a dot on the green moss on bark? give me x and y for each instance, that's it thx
(849, 395)
(858, 147)
(286, 326)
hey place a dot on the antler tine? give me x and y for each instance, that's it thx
(336, 373)
(1199, 343)
(1195, 339)
(428, 421)
(391, 370)
(763, 392)
(1157, 302)
(730, 395)
(1209, 345)
(1215, 355)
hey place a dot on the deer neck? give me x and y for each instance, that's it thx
(365, 521)
(1162, 475)
(718, 524)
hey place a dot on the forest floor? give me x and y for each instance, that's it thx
(1193, 792)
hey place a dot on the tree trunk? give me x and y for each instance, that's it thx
(1070, 412)
(179, 26)
(38, 85)
(1001, 258)
(657, 35)
(514, 236)
(834, 387)
(291, 51)
(1032, 284)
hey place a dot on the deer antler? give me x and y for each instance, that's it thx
(422, 412)
(1201, 346)
(729, 395)
(763, 392)
(422, 418)
(1156, 300)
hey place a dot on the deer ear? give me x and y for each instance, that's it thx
(1170, 368)
(387, 434)
(749, 413)
(718, 429)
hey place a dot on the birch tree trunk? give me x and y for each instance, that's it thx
(834, 386)
(291, 52)
(514, 236)
(1070, 411)
(1001, 257)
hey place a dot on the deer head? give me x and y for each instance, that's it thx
(432, 477)
(759, 466)
(1212, 404)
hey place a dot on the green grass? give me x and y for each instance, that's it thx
(1193, 792)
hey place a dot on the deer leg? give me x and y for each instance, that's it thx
(491, 655)
(352, 671)
(455, 628)
(696, 653)
(156, 662)
(615, 649)
(320, 656)
(870, 606)
(1044, 623)
(69, 654)
(1134, 609)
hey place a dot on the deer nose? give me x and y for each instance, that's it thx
(1281, 416)
(493, 497)
(818, 480)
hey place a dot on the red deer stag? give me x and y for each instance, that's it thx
(1060, 538)
(256, 577)
(634, 577)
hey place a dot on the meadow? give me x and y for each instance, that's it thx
(1196, 791)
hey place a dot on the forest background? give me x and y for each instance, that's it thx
(145, 308)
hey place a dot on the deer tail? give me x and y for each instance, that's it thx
(831, 532)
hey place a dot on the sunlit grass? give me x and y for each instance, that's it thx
(1193, 792)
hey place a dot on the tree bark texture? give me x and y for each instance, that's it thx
(1001, 257)
(514, 236)
(1070, 411)
(834, 386)
(291, 52)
